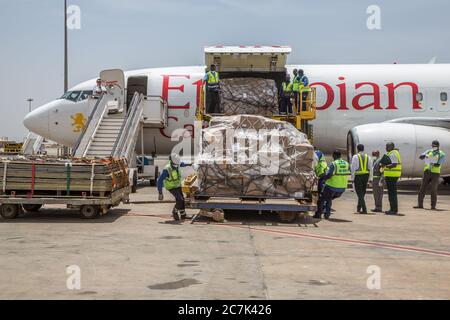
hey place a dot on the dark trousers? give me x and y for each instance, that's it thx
(378, 193)
(212, 101)
(304, 97)
(391, 184)
(432, 179)
(179, 198)
(361, 189)
(326, 201)
(285, 105)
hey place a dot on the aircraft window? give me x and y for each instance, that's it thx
(419, 96)
(73, 96)
(443, 96)
(84, 95)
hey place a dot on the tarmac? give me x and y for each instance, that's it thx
(138, 252)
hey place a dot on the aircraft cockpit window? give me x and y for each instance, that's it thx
(71, 95)
(444, 96)
(84, 95)
(419, 96)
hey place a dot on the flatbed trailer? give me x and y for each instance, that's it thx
(90, 207)
(287, 209)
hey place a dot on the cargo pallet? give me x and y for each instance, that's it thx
(90, 206)
(288, 209)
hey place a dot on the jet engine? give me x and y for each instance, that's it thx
(410, 139)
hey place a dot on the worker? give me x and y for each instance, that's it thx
(286, 105)
(320, 168)
(171, 179)
(392, 165)
(377, 182)
(212, 82)
(295, 88)
(361, 167)
(305, 89)
(336, 181)
(434, 159)
(99, 89)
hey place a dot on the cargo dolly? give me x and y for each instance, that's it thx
(90, 207)
(288, 209)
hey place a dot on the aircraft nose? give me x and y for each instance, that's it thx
(37, 121)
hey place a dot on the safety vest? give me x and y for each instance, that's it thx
(304, 88)
(295, 84)
(340, 175)
(395, 172)
(173, 181)
(321, 167)
(213, 80)
(437, 156)
(287, 87)
(363, 163)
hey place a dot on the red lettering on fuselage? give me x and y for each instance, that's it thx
(166, 88)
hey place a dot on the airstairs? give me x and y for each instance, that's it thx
(32, 144)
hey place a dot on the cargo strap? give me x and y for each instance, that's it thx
(92, 177)
(68, 171)
(33, 178)
(5, 169)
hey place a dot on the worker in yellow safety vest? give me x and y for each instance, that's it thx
(434, 159)
(361, 167)
(171, 180)
(320, 169)
(392, 165)
(285, 97)
(212, 82)
(336, 181)
(305, 89)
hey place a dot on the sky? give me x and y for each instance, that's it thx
(136, 34)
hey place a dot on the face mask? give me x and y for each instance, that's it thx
(435, 148)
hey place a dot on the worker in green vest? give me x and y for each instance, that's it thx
(305, 89)
(285, 97)
(212, 82)
(336, 181)
(392, 164)
(320, 168)
(171, 180)
(295, 87)
(361, 167)
(434, 159)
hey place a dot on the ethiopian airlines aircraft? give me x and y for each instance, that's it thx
(369, 104)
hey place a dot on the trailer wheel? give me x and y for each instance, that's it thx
(287, 216)
(89, 212)
(135, 182)
(32, 207)
(10, 211)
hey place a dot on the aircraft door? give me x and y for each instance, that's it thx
(114, 81)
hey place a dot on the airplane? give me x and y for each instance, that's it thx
(369, 104)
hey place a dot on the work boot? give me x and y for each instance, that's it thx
(175, 215)
(317, 216)
(183, 215)
(434, 209)
(376, 210)
(391, 213)
(418, 207)
(327, 216)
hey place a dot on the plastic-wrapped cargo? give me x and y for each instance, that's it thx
(249, 96)
(256, 157)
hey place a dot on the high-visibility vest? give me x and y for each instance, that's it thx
(173, 181)
(296, 84)
(321, 167)
(437, 156)
(340, 175)
(287, 87)
(213, 80)
(395, 172)
(304, 88)
(363, 164)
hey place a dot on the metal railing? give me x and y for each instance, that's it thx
(86, 126)
(128, 133)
